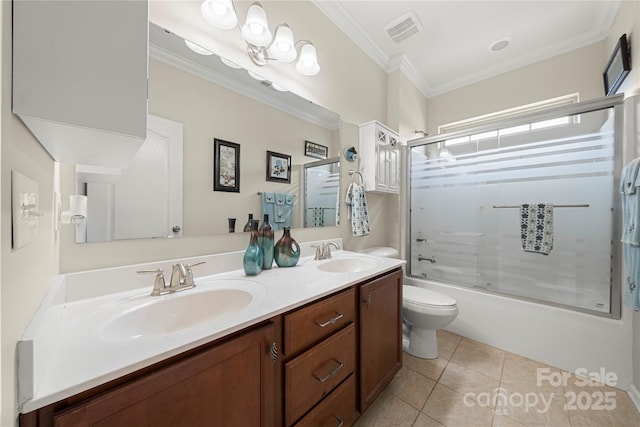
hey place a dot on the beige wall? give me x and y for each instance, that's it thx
(27, 272)
(628, 21)
(577, 71)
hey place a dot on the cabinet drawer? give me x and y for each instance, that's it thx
(338, 409)
(312, 324)
(312, 375)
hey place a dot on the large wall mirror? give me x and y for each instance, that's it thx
(208, 100)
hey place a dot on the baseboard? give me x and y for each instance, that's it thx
(634, 394)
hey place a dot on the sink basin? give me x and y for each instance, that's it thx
(350, 264)
(176, 312)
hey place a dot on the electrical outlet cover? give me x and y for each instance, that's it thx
(24, 210)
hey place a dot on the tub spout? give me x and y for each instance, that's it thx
(432, 260)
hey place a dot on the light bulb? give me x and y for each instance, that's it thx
(256, 29)
(308, 63)
(219, 13)
(283, 48)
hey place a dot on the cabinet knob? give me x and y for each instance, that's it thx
(340, 422)
(367, 301)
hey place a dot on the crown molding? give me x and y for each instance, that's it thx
(329, 120)
(345, 22)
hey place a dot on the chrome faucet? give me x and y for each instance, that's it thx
(432, 260)
(323, 251)
(181, 279)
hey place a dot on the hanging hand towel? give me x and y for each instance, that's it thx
(536, 227)
(359, 214)
(318, 217)
(629, 181)
(268, 205)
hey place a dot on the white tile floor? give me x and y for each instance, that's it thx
(473, 384)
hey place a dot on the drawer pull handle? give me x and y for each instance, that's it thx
(273, 351)
(331, 373)
(330, 321)
(340, 422)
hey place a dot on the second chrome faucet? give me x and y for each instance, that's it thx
(323, 250)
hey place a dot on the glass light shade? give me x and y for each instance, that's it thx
(256, 29)
(308, 63)
(283, 47)
(197, 49)
(219, 13)
(255, 76)
(279, 88)
(231, 64)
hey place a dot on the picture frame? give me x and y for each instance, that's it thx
(311, 149)
(278, 167)
(226, 166)
(618, 67)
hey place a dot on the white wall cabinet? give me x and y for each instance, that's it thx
(379, 158)
(80, 72)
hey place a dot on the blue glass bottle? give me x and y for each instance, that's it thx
(253, 258)
(265, 240)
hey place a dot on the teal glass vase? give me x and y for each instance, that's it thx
(265, 240)
(286, 251)
(253, 257)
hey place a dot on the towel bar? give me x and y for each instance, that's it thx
(555, 206)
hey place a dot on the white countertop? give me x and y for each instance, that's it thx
(65, 349)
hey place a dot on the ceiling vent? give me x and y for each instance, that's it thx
(403, 27)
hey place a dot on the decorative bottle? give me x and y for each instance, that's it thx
(253, 258)
(265, 240)
(286, 251)
(249, 224)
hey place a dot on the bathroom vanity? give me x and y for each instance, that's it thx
(321, 358)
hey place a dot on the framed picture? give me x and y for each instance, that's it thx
(226, 166)
(311, 149)
(278, 167)
(617, 68)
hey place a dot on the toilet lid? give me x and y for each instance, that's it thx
(425, 297)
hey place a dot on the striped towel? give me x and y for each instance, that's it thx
(536, 227)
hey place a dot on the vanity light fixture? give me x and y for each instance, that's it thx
(262, 46)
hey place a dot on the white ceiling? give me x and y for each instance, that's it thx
(452, 50)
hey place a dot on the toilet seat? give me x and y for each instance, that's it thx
(420, 297)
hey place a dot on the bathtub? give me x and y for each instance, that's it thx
(566, 339)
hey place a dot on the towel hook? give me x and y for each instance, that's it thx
(353, 176)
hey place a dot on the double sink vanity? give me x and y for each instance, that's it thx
(310, 345)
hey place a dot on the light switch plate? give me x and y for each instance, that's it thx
(24, 210)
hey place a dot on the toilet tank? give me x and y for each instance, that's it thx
(381, 251)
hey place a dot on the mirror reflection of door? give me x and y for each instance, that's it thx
(321, 207)
(143, 200)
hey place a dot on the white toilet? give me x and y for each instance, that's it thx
(423, 312)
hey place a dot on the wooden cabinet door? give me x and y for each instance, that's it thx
(230, 384)
(380, 330)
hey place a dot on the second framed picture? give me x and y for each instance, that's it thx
(278, 167)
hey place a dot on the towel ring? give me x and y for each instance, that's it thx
(353, 176)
